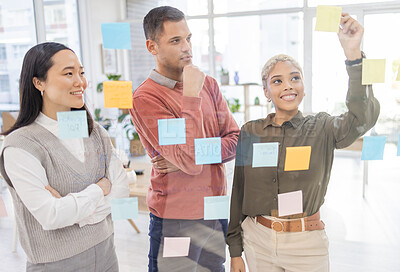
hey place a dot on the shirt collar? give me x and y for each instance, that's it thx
(162, 80)
(295, 121)
(48, 123)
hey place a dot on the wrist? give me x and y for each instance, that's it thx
(357, 61)
(353, 54)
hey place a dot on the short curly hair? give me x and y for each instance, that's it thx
(273, 61)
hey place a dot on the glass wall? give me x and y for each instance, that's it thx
(62, 23)
(329, 75)
(18, 33)
(379, 44)
(225, 6)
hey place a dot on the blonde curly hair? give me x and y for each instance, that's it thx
(273, 61)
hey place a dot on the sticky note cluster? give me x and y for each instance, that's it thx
(266, 155)
(3, 211)
(72, 124)
(173, 132)
(328, 18)
(373, 71)
(124, 208)
(118, 94)
(116, 35)
(373, 147)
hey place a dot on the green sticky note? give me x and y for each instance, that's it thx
(265, 154)
(171, 131)
(398, 144)
(216, 207)
(72, 124)
(373, 71)
(124, 208)
(207, 150)
(328, 18)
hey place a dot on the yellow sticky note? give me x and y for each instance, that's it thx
(373, 71)
(297, 158)
(328, 18)
(118, 94)
(398, 74)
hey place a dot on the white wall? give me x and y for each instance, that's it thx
(92, 14)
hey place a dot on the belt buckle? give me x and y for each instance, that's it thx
(279, 229)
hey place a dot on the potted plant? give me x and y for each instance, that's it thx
(111, 77)
(233, 104)
(135, 146)
(105, 123)
(224, 76)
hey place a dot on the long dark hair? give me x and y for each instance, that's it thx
(37, 62)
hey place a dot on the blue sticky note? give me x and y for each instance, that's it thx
(398, 142)
(124, 208)
(116, 35)
(72, 124)
(216, 207)
(171, 131)
(207, 150)
(265, 154)
(373, 147)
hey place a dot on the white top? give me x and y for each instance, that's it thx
(86, 207)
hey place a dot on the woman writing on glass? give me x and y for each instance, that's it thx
(61, 188)
(271, 239)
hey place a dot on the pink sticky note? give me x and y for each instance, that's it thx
(3, 211)
(290, 203)
(176, 246)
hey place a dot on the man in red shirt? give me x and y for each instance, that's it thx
(178, 89)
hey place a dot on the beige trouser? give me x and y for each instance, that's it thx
(269, 251)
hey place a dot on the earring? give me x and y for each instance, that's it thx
(269, 99)
(41, 92)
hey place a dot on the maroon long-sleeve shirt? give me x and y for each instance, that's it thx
(180, 195)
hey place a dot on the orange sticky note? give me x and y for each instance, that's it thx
(3, 211)
(373, 71)
(297, 158)
(328, 18)
(118, 94)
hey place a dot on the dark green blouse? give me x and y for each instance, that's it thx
(255, 190)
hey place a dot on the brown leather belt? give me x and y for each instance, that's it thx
(312, 222)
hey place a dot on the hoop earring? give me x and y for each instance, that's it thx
(269, 99)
